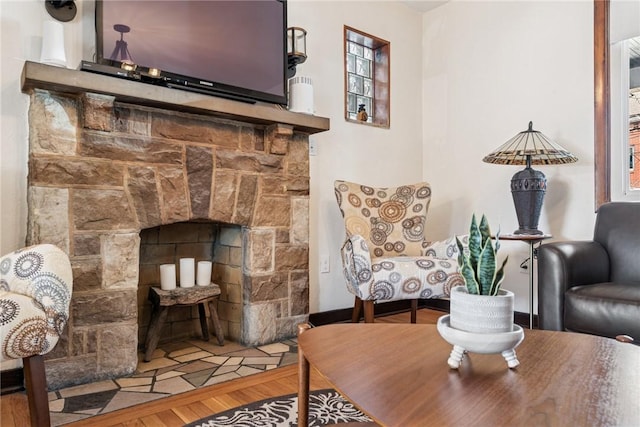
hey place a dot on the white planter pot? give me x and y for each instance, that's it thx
(481, 313)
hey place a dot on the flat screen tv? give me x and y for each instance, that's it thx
(234, 49)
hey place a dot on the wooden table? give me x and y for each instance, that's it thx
(162, 299)
(398, 375)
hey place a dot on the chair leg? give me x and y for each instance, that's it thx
(368, 311)
(36, 384)
(357, 308)
(414, 310)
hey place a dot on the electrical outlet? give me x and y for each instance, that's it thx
(324, 264)
(313, 148)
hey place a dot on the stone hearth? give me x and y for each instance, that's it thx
(101, 170)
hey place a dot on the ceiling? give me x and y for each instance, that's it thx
(424, 5)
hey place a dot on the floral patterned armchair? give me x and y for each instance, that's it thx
(35, 293)
(385, 255)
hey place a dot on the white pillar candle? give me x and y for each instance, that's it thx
(187, 272)
(204, 273)
(167, 277)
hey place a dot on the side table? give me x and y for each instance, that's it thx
(162, 300)
(531, 239)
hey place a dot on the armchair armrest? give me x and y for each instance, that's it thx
(356, 262)
(563, 265)
(444, 249)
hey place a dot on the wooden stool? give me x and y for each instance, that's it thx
(162, 300)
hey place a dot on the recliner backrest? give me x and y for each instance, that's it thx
(391, 220)
(617, 229)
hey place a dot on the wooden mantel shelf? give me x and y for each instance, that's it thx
(40, 76)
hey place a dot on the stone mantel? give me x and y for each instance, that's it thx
(47, 77)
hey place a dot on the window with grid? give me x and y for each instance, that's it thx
(366, 78)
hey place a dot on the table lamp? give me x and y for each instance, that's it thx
(528, 186)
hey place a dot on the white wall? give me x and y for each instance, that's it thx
(378, 157)
(488, 69)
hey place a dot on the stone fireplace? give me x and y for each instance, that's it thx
(101, 170)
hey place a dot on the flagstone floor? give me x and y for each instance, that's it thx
(174, 368)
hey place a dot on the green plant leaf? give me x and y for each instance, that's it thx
(486, 268)
(485, 232)
(469, 278)
(460, 252)
(475, 244)
(497, 281)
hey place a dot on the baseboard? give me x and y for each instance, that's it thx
(393, 307)
(11, 381)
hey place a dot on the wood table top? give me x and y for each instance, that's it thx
(398, 375)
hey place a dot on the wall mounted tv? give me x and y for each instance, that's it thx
(234, 49)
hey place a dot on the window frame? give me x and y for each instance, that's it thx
(380, 76)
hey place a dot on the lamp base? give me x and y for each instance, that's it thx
(527, 188)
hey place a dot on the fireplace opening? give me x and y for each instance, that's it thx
(204, 241)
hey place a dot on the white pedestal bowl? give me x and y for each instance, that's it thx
(482, 343)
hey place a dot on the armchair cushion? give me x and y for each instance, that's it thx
(391, 220)
(35, 292)
(400, 277)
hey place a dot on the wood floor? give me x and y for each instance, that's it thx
(188, 407)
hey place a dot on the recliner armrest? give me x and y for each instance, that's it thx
(562, 265)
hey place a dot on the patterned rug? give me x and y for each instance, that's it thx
(325, 407)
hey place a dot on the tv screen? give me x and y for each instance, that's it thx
(230, 48)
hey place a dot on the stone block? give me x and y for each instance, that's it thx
(235, 256)
(207, 232)
(61, 349)
(298, 159)
(267, 288)
(277, 137)
(53, 123)
(221, 256)
(143, 190)
(234, 293)
(184, 232)
(200, 251)
(71, 172)
(149, 274)
(158, 254)
(230, 236)
(259, 251)
(246, 201)
(78, 343)
(119, 147)
(199, 177)
(292, 257)
(71, 371)
(248, 138)
(224, 196)
(96, 308)
(86, 244)
(48, 216)
(186, 127)
(299, 293)
(89, 211)
(283, 235)
(120, 260)
(273, 211)
(259, 324)
(97, 111)
(249, 162)
(87, 274)
(287, 328)
(300, 221)
(174, 205)
(131, 120)
(121, 356)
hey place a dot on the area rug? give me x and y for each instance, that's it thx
(325, 407)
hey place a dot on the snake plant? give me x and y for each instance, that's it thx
(478, 263)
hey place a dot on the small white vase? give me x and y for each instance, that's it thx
(481, 313)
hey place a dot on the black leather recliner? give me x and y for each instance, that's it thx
(594, 286)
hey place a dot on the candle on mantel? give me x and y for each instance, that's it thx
(204, 273)
(187, 272)
(167, 277)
